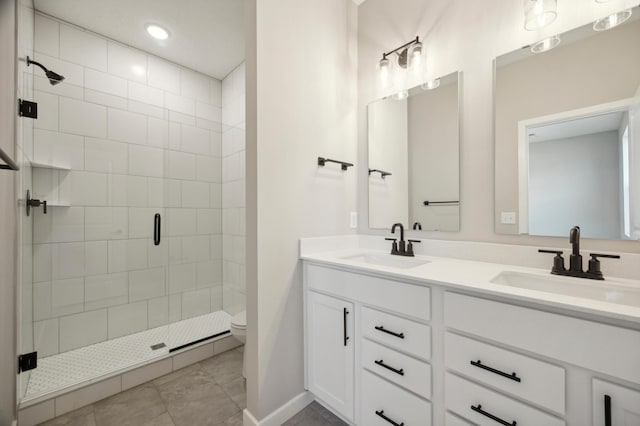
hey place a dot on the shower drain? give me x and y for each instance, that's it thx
(158, 346)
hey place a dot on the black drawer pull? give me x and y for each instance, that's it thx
(345, 312)
(607, 410)
(156, 229)
(384, 330)
(382, 364)
(512, 376)
(479, 409)
(381, 414)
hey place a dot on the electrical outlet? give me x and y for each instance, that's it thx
(353, 220)
(508, 218)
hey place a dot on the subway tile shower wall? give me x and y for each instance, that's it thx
(141, 136)
(233, 190)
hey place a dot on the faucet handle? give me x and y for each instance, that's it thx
(594, 264)
(558, 260)
(410, 247)
(394, 247)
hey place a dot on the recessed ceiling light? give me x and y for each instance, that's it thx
(157, 31)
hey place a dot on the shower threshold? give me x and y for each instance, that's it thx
(93, 363)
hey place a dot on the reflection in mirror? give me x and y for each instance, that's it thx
(414, 157)
(566, 135)
(580, 171)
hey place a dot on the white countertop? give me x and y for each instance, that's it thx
(473, 276)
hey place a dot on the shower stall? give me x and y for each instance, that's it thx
(139, 249)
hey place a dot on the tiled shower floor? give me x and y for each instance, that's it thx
(87, 364)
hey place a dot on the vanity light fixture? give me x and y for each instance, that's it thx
(409, 55)
(612, 21)
(157, 32)
(539, 13)
(546, 44)
(431, 84)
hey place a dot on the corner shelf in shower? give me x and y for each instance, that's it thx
(49, 166)
(47, 178)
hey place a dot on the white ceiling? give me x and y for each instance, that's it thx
(205, 35)
(579, 127)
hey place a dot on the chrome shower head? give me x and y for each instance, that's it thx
(54, 78)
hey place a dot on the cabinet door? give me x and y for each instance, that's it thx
(330, 351)
(614, 405)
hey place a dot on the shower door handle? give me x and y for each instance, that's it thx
(156, 229)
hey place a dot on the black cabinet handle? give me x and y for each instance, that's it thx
(384, 330)
(345, 312)
(479, 409)
(395, 370)
(607, 410)
(511, 376)
(156, 229)
(381, 414)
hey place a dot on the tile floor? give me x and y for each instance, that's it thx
(209, 393)
(314, 415)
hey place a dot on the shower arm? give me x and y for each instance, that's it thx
(29, 62)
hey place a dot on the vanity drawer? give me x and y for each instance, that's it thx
(595, 346)
(398, 405)
(461, 395)
(409, 299)
(535, 381)
(400, 333)
(399, 368)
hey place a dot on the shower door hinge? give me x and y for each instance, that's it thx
(27, 362)
(27, 109)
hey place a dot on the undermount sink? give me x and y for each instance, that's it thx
(603, 291)
(388, 260)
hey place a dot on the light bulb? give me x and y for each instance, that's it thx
(539, 13)
(612, 21)
(431, 84)
(403, 94)
(546, 44)
(384, 70)
(416, 58)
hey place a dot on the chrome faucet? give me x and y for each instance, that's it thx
(575, 260)
(398, 248)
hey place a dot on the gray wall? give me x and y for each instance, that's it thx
(465, 36)
(575, 181)
(304, 94)
(434, 157)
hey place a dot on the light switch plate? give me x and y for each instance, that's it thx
(353, 220)
(508, 218)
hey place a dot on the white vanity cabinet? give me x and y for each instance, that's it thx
(585, 348)
(615, 405)
(330, 351)
(475, 360)
(368, 347)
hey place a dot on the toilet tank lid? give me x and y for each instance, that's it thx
(240, 319)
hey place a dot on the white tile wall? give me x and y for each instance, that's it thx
(83, 118)
(83, 329)
(127, 319)
(232, 146)
(141, 136)
(83, 48)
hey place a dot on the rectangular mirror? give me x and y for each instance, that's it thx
(567, 134)
(413, 142)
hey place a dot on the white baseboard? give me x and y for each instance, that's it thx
(282, 414)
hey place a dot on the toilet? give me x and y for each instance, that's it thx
(239, 331)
